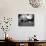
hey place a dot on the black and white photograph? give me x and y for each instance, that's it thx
(25, 19)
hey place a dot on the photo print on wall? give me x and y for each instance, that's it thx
(25, 19)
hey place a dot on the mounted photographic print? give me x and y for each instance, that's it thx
(25, 19)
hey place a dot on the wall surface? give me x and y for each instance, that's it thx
(11, 8)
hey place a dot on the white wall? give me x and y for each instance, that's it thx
(11, 8)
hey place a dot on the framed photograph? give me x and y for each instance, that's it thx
(25, 19)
